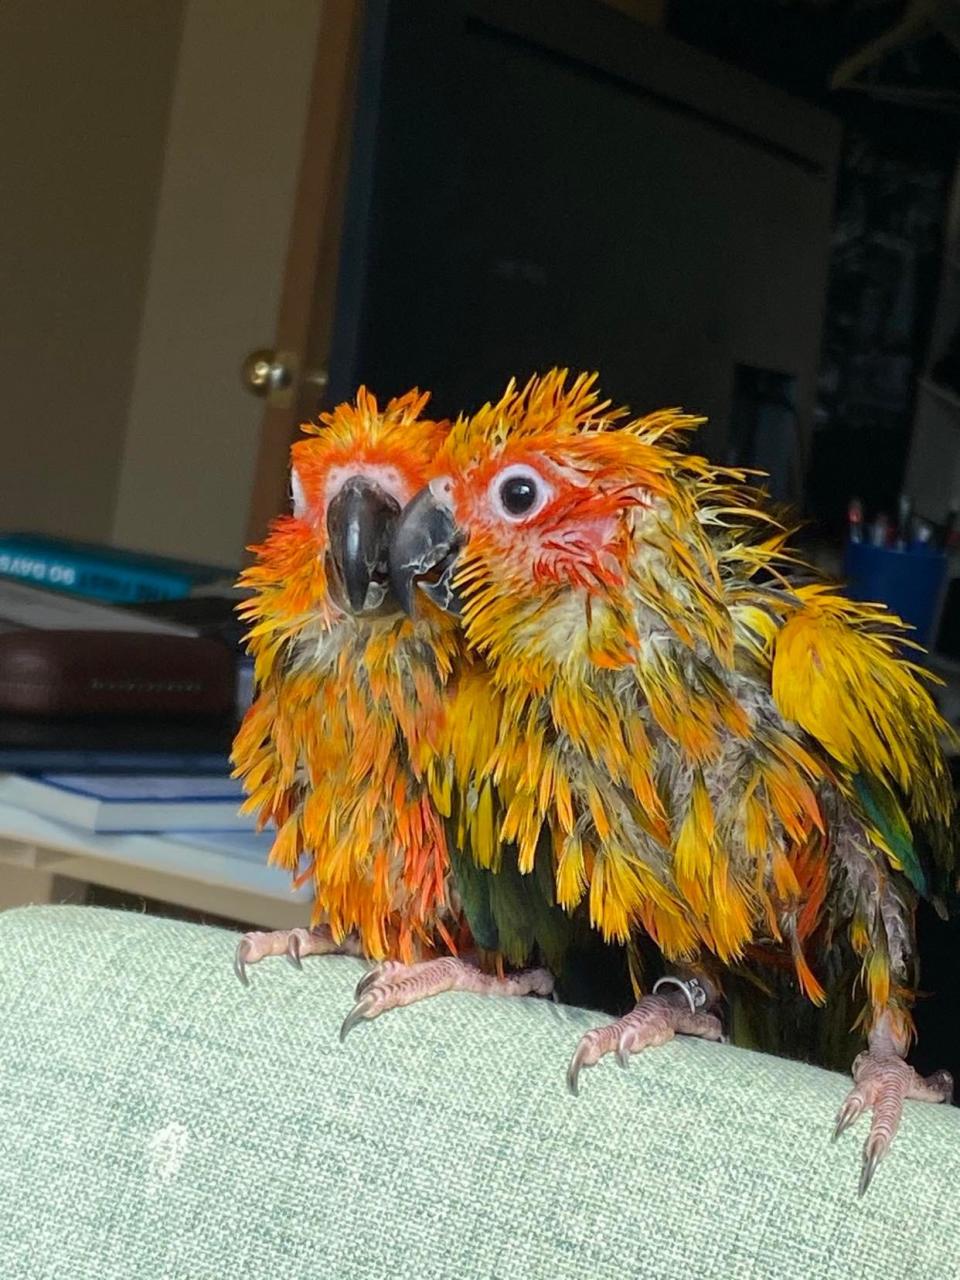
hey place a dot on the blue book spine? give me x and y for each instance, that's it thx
(93, 579)
(38, 544)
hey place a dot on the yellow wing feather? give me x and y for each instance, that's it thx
(838, 673)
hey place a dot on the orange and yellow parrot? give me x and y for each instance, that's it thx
(656, 729)
(349, 708)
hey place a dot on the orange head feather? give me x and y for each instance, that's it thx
(567, 517)
(350, 476)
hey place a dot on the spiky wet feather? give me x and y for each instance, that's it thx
(335, 749)
(687, 722)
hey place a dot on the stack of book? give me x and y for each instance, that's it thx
(51, 586)
(110, 803)
(98, 572)
(177, 826)
(122, 682)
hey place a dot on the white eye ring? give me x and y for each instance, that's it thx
(297, 496)
(526, 484)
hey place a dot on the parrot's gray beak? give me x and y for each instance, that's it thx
(360, 521)
(423, 553)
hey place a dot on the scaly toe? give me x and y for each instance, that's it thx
(883, 1081)
(394, 985)
(652, 1022)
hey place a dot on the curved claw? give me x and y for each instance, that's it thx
(293, 951)
(873, 1153)
(240, 961)
(850, 1111)
(359, 1013)
(623, 1056)
(368, 979)
(577, 1063)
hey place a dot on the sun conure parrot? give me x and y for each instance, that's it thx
(347, 712)
(707, 753)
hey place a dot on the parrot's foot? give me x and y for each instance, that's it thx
(392, 984)
(882, 1080)
(292, 943)
(675, 1006)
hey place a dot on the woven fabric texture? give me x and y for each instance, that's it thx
(160, 1122)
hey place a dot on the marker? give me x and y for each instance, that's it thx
(879, 531)
(855, 520)
(922, 539)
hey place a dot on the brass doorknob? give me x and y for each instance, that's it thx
(274, 376)
(265, 372)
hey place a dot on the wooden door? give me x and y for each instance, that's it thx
(295, 367)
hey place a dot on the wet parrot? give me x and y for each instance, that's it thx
(544, 677)
(672, 731)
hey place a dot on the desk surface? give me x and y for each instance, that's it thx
(190, 869)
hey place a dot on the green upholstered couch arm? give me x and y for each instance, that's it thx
(160, 1122)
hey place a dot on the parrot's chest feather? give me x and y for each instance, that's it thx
(677, 793)
(342, 735)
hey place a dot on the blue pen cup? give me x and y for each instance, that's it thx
(910, 583)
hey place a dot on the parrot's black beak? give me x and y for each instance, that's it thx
(360, 521)
(423, 553)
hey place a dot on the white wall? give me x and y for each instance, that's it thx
(229, 177)
(85, 91)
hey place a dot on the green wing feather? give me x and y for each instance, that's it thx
(883, 812)
(512, 913)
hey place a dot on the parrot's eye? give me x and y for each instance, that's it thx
(519, 491)
(518, 494)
